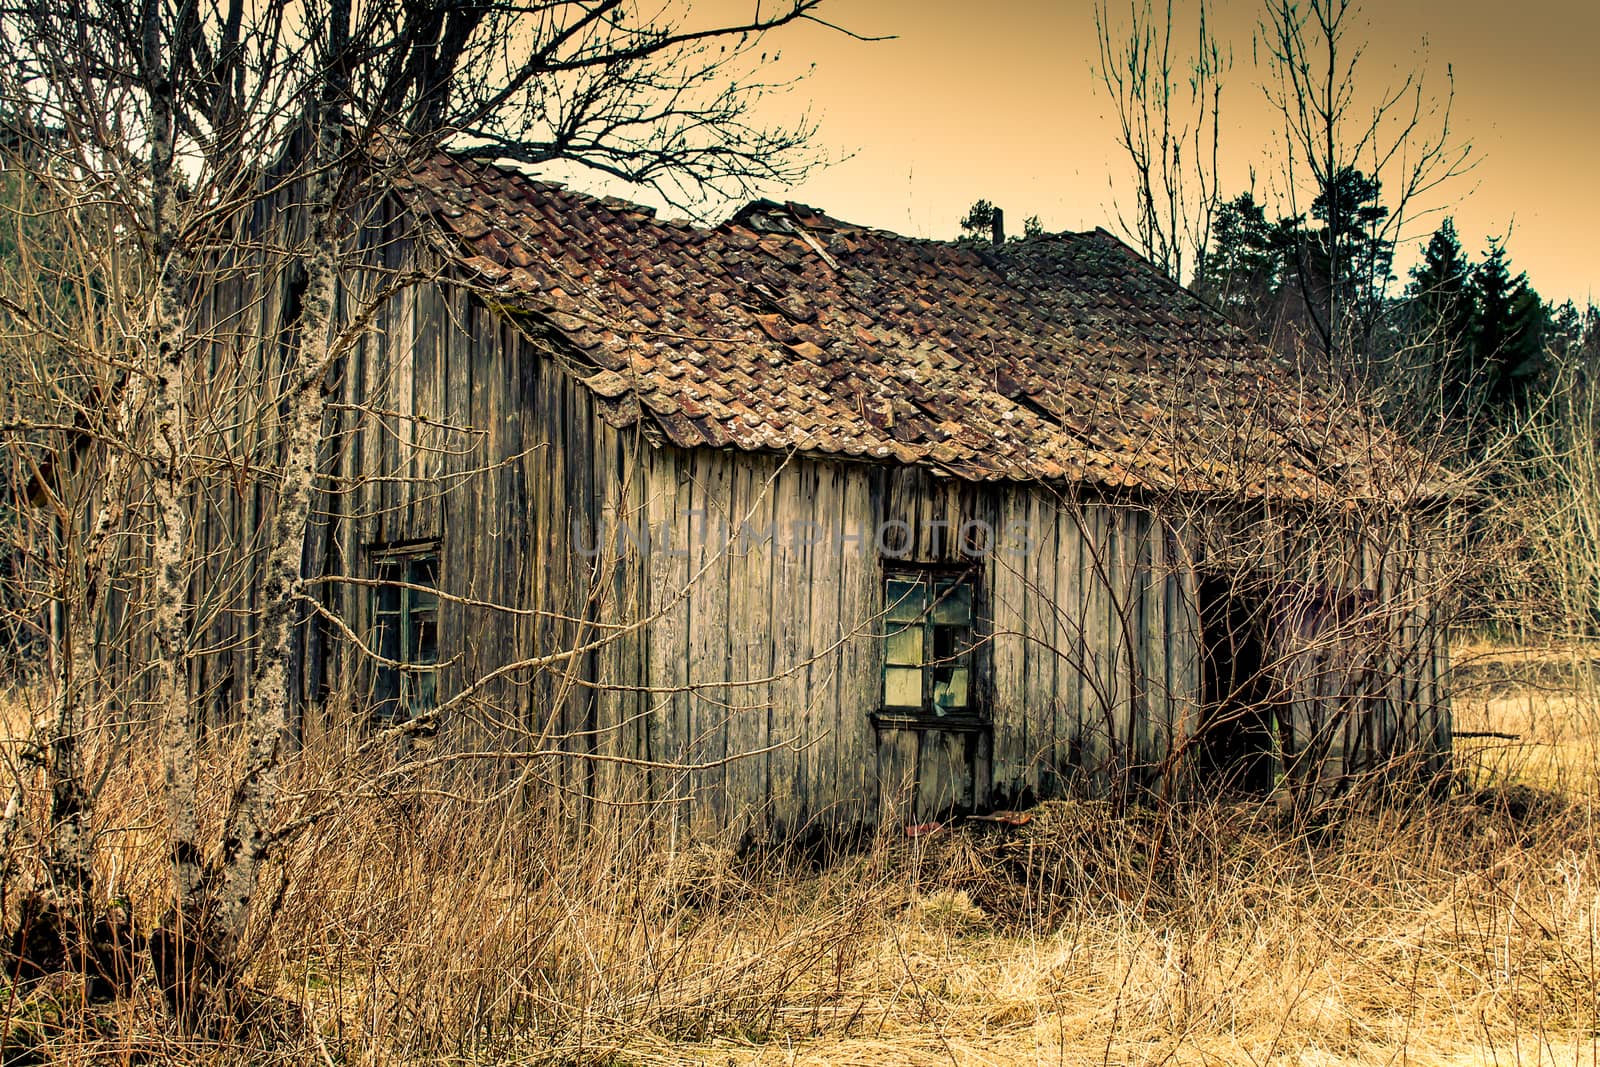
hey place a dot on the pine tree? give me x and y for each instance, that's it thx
(1342, 267)
(1439, 325)
(978, 223)
(1243, 269)
(1566, 335)
(1509, 334)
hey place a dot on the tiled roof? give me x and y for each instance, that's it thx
(1058, 357)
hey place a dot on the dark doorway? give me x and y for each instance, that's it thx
(1237, 721)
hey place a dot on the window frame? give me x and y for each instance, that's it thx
(402, 693)
(968, 644)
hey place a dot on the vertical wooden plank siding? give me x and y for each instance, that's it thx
(1183, 665)
(1040, 557)
(758, 585)
(822, 701)
(1156, 636)
(859, 597)
(1008, 621)
(750, 634)
(1100, 644)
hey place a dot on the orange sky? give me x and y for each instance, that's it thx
(998, 100)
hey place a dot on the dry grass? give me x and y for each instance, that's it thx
(421, 927)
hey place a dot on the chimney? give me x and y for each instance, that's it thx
(997, 228)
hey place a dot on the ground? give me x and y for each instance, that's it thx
(429, 926)
(1461, 932)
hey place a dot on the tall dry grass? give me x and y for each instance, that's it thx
(435, 920)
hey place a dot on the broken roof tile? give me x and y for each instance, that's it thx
(1061, 356)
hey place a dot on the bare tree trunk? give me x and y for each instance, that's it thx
(246, 841)
(1171, 141)
(83, 581)
(175, 950)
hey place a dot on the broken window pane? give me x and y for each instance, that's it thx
(927, 643)
(406, 631)
(425, 635)
(955, 605)
(950, 691)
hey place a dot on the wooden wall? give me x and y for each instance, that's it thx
(769, 647)
(722, 678)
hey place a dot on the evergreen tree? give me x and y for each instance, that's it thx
(1440, 313)
(1324, 278)
(1243, 269)
(1509, 334)
(1566, 335)
(1341, 269)
(978, 223)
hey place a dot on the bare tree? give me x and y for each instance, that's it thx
(1168, 105)
(1345, 145)
(225, 166)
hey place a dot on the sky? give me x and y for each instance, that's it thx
(999, 100)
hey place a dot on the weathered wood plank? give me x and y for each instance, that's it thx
(1103, 740)
(1006, 622)
(1183, 663)
(897, 777)
(943, 783)
(1155, 638)
(822, 699)
(669, 612)
(709, 637)
(749, 629)
(806, 604)
(790, 610)
(1041, 695)
(632, 605)
(860, 597)
(1069, 615)
(1124, 627)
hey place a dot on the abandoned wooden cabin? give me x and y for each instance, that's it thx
(794, 522)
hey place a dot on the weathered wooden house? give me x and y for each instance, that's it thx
(791, 522)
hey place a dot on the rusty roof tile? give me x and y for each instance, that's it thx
(1061, 356)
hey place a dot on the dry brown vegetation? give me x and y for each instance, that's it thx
(438, 920)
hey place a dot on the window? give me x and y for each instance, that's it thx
(406, 610)
(928, 646)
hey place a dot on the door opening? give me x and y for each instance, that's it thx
(1239, 718)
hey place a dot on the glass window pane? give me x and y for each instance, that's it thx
(947, 643)
(406, 630)
(955, 605)
(386, 707)
(423, 696)
(906, 599)
(904, 646)
(950, 690)
(387, 644)
(902, 688)
(386, 692)
(388, 595)
(424, 637)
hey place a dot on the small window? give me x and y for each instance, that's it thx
(406, 613)
(928, 644)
